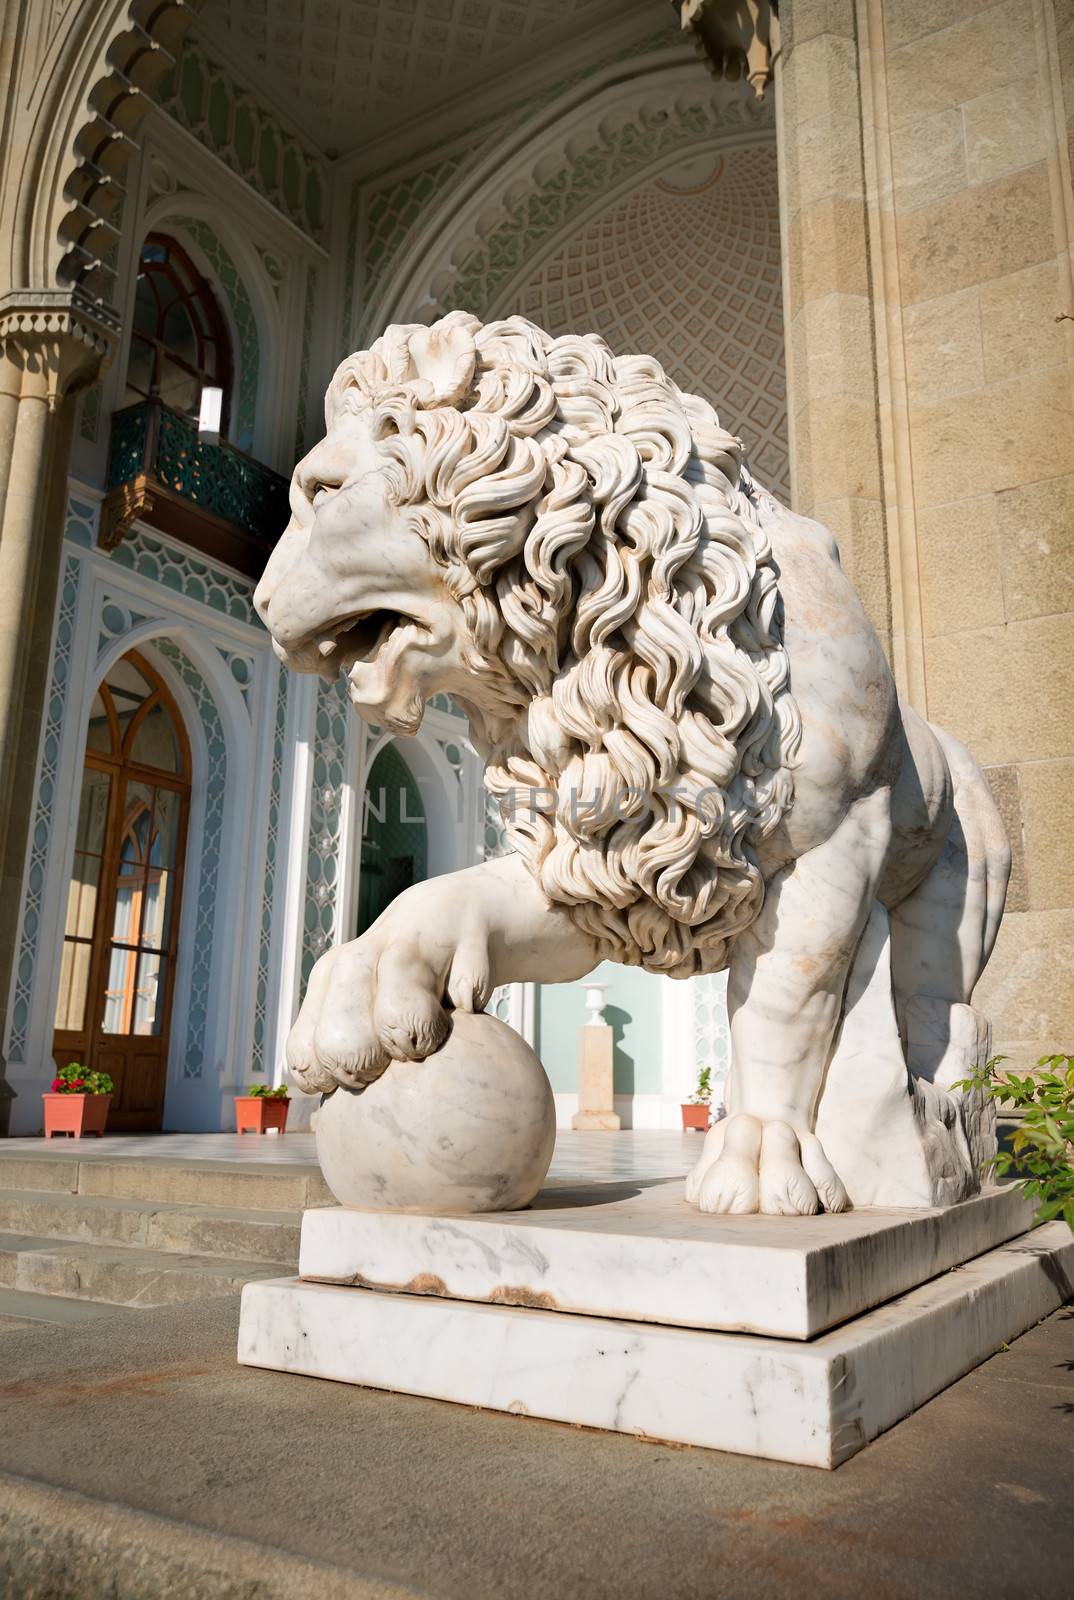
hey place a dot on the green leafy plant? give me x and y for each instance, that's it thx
(1042, 1145)
(702, 1095)
(264, 1091)
(74, 1079)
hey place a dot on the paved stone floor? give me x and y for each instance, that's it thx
(138, 1461)
(635, 1153)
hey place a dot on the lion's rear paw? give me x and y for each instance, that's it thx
(786, 1190)
(767, 1167)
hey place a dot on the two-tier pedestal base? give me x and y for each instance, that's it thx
(617, 1306)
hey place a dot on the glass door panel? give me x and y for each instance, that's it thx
(83, 889)
(160, 871)
(93, 811)
(82, 896)
(154, 743)
(134, 846)
(119, 989)
(145, 888)
(114, 997)
(149, 994)
(74, 986)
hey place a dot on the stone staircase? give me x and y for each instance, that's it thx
(82, 1237)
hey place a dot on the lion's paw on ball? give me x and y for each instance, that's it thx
(468, 1129)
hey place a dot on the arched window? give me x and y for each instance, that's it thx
(120, 941)
(179, 343)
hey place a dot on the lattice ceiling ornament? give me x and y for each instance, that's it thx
(551, 175)
(687, 268)
(354, 68)
(396, 207)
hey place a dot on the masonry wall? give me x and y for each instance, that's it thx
(927, 230)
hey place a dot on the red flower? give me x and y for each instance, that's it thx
(58, 1086)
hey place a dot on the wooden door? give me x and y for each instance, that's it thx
(121, 935)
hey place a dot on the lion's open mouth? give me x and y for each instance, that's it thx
(358, 638)
(361, 637)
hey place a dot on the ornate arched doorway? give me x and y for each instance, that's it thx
(394, 836)
(117, 973)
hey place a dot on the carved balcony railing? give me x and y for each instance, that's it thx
(210, 496)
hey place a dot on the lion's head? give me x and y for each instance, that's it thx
(569, 545)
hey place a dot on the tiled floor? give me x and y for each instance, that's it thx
(638, 1153)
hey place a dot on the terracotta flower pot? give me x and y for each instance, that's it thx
(694, 1116)
(76, 1113)
(255, 1113)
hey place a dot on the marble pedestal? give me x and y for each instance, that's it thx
(619, 1307)
(596, 1071)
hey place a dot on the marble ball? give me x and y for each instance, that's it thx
(468, 1129)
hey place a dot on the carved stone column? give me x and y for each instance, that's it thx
(50, 348)
(833, 404)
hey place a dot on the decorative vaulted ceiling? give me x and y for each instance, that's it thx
(687, 268)
(350, 71)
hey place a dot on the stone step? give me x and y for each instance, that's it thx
(120, 1275)
(60, 1543)
(151, 1225)
(242, 1185)
(21, 1308)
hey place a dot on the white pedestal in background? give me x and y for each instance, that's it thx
(596, 1069)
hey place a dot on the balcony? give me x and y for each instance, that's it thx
(211, 497)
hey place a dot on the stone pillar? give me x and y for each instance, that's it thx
(596, 1052)
(832, 404)
(928, 240)
(49, 349)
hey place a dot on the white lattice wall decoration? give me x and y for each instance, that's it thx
(712, 1034)
(202, 96)
(687, 268)
(511, 1002)
(207, 899)
(42, 831)
(329, 777)
(268, 904)
(185, 573)
(395, 210)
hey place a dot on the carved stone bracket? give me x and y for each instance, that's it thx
(737, 40)
(121, 508)
(143, 46)
(59, 344)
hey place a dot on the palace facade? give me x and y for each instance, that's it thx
(850, 227)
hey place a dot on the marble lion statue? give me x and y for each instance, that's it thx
(693, 734)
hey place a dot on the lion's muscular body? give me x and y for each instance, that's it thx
(856, 734)
(683, 708)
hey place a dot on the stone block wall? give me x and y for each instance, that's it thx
(928, 225)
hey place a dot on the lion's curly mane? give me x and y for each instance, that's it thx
(597, 527)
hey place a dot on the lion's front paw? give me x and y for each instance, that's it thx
(749, 1165)
(381, 998)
